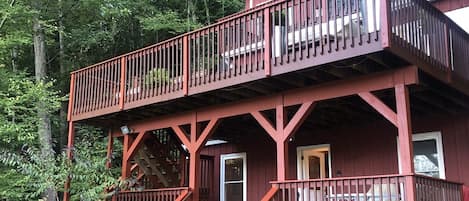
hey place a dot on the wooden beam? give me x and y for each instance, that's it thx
(377, 81)
(379, 106)
(183, 196)
(70, 144)
(110, 141)
(265, 123)
(208, 131)
(182, 135)
(281, 133)
(125, 162)
(135, 144)
(194, 146)
(298, 119)
(374, 82)
(405, 139)
(133, 167)
(404, 129)
(270, 194)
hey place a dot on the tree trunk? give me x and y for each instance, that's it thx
(207, 13)
(14, 58)
(63, 73)
(191, 17)
(44, 126)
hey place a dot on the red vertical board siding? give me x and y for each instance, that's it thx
(260, 164)
(356, 151)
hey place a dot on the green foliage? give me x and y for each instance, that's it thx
(33, 174)
(91, 31)
(168, 21)
(13, 186)
(88, 172)
(19, 96)
(37, 173)
(156, 76)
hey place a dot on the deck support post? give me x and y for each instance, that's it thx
(194, 144)
(70, 144)
(131, 145)
(402, 120)
(125, 163)
(283, 130)
(405, 139)
(110, 142)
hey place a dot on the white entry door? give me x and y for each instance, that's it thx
(313, 164)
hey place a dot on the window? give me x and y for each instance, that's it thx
(233, 176)
(428, 155)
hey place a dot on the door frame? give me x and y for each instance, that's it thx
(299, 165)
(224, 157)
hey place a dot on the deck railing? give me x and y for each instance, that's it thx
(275, 38)
(424, 35)
(367, 188)
(170, 194)
(431, 189)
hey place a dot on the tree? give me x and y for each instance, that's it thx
(40, 43)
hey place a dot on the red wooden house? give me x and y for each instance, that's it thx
(330, 100)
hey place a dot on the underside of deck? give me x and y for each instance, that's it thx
(431, 96)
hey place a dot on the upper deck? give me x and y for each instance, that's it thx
(270, 40)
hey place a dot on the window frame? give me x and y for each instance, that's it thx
(435, 135)
(223, 158)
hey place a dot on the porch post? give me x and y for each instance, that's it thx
(110, 141)
(194, 144)
(71, 140)
(125, 163)
(283, 131)
(405, 139)
(194, 172)
(282, 143)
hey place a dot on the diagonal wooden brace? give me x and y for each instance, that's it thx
(194, 145)
(282, 131)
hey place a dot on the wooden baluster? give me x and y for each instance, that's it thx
(122, 82)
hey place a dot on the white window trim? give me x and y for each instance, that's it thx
(224, 157)
(436, 135)
(319, 146)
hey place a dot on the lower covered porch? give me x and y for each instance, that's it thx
(349, 141)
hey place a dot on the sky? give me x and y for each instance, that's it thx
(460, 16)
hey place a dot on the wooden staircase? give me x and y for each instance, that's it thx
(160, 161)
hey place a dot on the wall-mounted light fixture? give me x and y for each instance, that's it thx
(125, 130)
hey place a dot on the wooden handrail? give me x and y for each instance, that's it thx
(341, 178)
(270, 194)
(184, 195)
(158, 190)
(438, 179)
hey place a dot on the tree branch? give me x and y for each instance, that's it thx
(6, 15)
